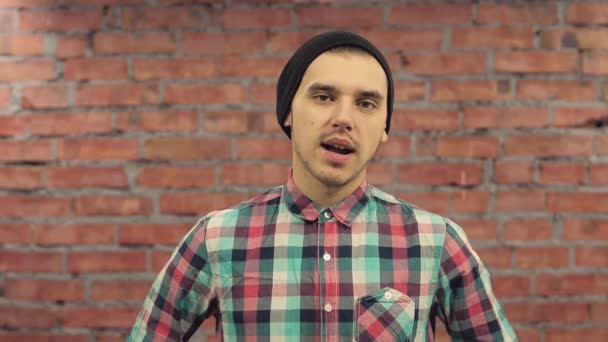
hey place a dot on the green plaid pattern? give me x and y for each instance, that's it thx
(278, 267)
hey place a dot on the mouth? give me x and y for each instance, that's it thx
(343, 150)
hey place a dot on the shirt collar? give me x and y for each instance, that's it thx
(345, 211)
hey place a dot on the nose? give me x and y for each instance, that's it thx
(342, 116)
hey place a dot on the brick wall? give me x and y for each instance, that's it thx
(121, 121)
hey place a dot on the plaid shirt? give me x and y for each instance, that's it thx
(278, 267)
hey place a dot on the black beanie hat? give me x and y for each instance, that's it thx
(292, 73)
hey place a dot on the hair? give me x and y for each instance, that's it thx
(348, 49)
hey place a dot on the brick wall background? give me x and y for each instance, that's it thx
(122, 121)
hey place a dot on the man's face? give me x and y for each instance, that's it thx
(341, 101)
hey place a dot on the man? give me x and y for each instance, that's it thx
(326, 256)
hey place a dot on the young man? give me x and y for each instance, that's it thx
(326, 256)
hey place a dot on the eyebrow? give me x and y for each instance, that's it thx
(373, 94)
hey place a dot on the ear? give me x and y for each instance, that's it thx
(384, 137)
(287, 121)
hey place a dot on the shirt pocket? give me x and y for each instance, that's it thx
(386, 315)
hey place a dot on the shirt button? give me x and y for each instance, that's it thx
(327, 215)
(388, 295)
(327, 307)
(326, 257)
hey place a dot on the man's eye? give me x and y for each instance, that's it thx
(367, 105)
(323, 98)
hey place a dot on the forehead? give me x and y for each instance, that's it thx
(348, 72)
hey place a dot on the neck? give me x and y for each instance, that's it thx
(323, 194)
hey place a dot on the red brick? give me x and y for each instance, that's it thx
(592, 256)
(18, 317)
(120, 290)
(159, 260)
(498, 38)
(29, 261)
(23, 206)
(409, 91)
(151, 69)
(526, 14)
(205, 93)
(74, 234)
(556, 312)
(557, 90)
(27, 70)
(536, 62)
(263, 148)
(599, 313)
(520, 200)
(71, 46)
(115, 336)
(42, 337)
(437, 202)
(21, 44)
(440, 173)
(18, 233)
(580, 117)
(547, 145)
(112, 205)
(152, 234)
(562, 173)
(98, 149)
(288, 42)
(571, 284)
(163, 18)
(574, 38)
(116, 95)
(20, 177)
(572, 334)
(91, 317)
(119, 43)
(342, 17)
(60, 20)
(496, 257)
(470, 202)
(263, 94)
(39, 150)
(600, 144)
(599, 173)
(512, 117)
(189, 203)
(542, 257)
(587, 13)
(259, 174)
(176, 148)
(95, 69)
(80, 177)
(511, 286)
(37, 97)
(84, 262)
(176, 177)
(406, 40)
(467, 146)
(7, 20)
(394, 148)
(475, 90)
(12, 126)
(73, 123)
(256, 18)
(585, 202)
(231, 122)
(5, 100)
(436, 14)
(252, 66)
(379, 174)
(527, 229)
(477, 229)
(444, 64)
(213, 43)
(44, 290)
(585, 229)
(181, 121)
(595, 63)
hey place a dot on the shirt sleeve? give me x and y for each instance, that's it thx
(181, 295)
(466, 303)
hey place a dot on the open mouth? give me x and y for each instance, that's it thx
(338, 149)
